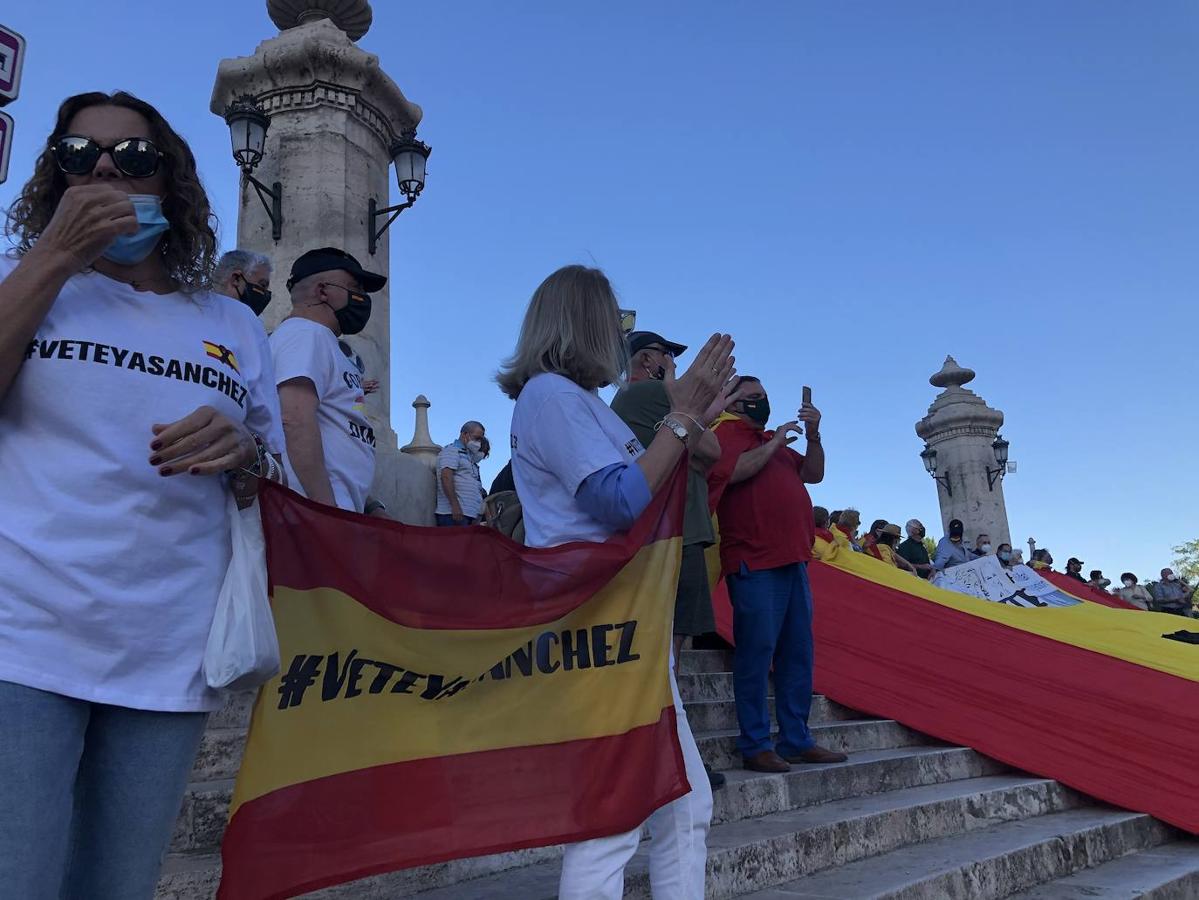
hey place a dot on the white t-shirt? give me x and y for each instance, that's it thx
(109, 572)
(305, 349)
(468, 486)
(560, 435)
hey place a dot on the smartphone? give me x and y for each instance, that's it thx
(628, 320)
(807, 394)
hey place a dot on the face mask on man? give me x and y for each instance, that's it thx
(130, 249)
(1128, 582)
(757, 410)
(1005, 556)
(474, 446)
(985, 548)
(1170, 577)
(254, 296)
(352, 317)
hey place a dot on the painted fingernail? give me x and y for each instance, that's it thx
(156, 445)
(165, 470)
(155, 460)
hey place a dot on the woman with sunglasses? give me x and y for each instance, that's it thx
(132, 400)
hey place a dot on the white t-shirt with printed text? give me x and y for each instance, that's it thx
(562, 433)
(109, 572)
(305, 349)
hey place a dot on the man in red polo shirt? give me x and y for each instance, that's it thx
(766, 534)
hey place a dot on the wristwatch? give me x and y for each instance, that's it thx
(677, 428)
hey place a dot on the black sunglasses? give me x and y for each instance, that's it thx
(78, 155)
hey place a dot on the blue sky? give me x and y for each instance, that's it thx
(854, 190)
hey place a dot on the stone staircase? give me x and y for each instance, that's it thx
(906, 817)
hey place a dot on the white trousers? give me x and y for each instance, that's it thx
(678, 850)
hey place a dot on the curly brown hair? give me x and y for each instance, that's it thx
(189, 247)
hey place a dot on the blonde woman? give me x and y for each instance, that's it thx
(582, 476)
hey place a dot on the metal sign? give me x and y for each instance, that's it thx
(5, 144)
(12, 58)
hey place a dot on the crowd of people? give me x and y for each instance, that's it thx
(922, 558)
(136, 396)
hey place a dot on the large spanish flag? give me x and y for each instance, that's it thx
(449, 693)
(1105, 700)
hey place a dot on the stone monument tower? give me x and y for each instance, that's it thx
(334, 116)
(960, 430)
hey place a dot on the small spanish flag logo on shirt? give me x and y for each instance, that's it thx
(223, 354)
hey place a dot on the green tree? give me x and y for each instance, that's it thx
(1186, 560)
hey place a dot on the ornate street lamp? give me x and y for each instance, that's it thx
(1000, 448)
(929, 457)
(409, 157)
(248, 124)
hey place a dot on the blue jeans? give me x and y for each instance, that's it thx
(772, 623)
(88, 794)
(447, 521)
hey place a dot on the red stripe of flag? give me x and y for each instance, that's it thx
(343, 827)
(1110, 728)
(424, 577)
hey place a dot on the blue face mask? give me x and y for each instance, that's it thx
(130, 249)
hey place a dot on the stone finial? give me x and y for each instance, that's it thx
(351, 16)
(421, 446)
(951, 375)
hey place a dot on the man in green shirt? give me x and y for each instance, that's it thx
(642, 405)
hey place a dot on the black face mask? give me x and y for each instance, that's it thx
(254, 296)
(659, 374)
(757, 410)
(352, 317)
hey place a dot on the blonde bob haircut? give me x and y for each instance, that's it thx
(572, 329)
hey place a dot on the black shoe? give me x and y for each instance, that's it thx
(715, 779)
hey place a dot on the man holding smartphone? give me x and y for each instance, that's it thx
(767, 531)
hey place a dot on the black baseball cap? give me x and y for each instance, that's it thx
(639, 340)
(330, 259)
(955, 528)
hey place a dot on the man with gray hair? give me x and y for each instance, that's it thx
(246, 276)
(914, 551)
(460, 491)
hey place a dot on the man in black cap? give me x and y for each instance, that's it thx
(1074, 569)
(643, 405)
(330, 443)
(952, 551)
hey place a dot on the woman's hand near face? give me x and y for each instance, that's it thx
(86, 221)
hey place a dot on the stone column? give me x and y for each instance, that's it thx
(961, 428)
(334, 114)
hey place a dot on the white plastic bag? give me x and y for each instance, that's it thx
(243, 649)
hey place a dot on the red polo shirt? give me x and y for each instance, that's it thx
(765, 521)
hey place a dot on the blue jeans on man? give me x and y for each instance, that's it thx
(772, 623)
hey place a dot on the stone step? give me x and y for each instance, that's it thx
(719, 748)
(234, 711)
(1168, 872)
(987, 863)
(715, 715)
(752, 853)
(201, 821)
(707, 686)
(695, 661)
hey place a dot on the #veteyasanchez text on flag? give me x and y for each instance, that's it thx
(448, 693)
